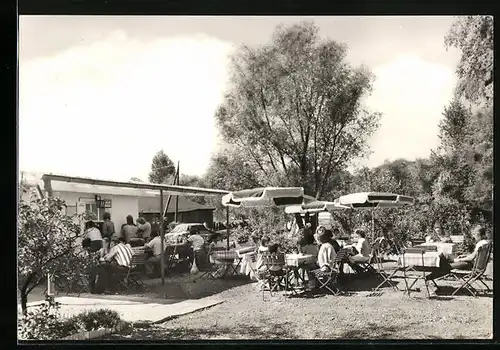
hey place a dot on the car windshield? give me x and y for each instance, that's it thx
(180, 228)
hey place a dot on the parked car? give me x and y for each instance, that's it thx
(182, 231)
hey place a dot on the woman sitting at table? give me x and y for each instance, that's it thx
(360, 252)
(326, 257)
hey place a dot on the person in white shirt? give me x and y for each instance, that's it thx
(117, 263)
(144, 229)
(94, 235)
(199, 249)
(362, 247)
(326, 257)
(153, 263)
(462, 262)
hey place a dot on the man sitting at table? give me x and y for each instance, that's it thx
(153, 263)
(116, 263)
(462, 262)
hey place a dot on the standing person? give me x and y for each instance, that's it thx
(144, 229)
(108, 227)
(198, 245)
(129, 230)
(94, 235)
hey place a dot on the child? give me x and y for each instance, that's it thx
(263, 244)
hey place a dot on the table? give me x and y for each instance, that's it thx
(297, 260)
(430, 259)
(424, 261)
(446, 248)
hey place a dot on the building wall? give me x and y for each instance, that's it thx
(121, 206)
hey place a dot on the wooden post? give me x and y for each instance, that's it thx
(227, 227)
(162, 235)
(169, 197)
(176, 197)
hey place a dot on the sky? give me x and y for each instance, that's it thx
(100, 95)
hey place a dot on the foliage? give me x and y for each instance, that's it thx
(242, 234)
(229, 170)
(48, 242)
(44, 322)
(294, 110)
(473, 36)
(162, 169)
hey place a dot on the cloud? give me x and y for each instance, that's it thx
(411, 93)
(104, 109)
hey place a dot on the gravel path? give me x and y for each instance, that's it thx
(392, 315)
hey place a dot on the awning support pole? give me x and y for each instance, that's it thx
(227, 226)
(162, 234)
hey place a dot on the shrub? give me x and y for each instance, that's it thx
(242, 234)
(42, 323)
(45, 323)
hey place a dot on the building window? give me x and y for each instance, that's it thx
(98, 213)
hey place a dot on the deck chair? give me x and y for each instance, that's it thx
(275, 275)
(469, 277)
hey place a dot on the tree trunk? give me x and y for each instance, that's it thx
(24, 300)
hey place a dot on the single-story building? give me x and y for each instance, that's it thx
(97, 197)
(187, 211)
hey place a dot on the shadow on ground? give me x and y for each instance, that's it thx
(275, 331)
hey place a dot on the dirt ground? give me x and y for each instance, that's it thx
(359, 315)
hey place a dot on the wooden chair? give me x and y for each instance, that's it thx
(275, 275)
(476, 275)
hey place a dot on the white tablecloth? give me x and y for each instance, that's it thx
(431, 259)
(248, 264)
(446, 248)
(299, 259)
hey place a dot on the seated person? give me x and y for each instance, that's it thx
(440, 235)
(262, 267)
(326, 257)
(116, 265)
(306, 243)
(154, 262)
(333, 238)
(358, 253)
(93, 233)
(263, 244)
(462, 262)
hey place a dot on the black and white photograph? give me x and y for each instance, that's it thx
(187, 178)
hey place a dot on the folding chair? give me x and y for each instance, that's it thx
(209, 269)
(380, 271)
(134, 273)
(275, 277)
(476, 274)
(328, 280)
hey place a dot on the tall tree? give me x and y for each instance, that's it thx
(473, 36)
(294, 108)
(162, 169)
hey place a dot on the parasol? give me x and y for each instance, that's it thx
(314, 207)
(372, 200)
(264, 197)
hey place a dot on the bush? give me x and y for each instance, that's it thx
(44, 322)
(242, 234)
